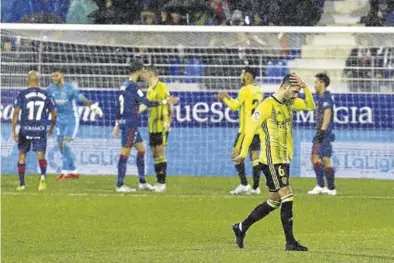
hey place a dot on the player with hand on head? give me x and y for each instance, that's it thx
(249, 96)
(34, 105)
(131, 103)
(65, 96)
(159, 123)
(322, 147)
(275, 118)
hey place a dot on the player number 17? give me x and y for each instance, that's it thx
(31, 105)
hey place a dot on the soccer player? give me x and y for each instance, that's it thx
(33, 104)
(65, 96)
(275, 117)
(159, 123)
(322, 147)
(132, 102)
(249, 96)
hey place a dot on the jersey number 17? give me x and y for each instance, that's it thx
(35, 110)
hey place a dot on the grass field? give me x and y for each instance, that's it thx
(86, 221)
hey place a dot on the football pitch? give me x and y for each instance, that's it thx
(85, 220)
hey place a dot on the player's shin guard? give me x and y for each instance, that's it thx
(286, 216)
(43, 166)
(318, 167)
(259, 213)
(330, 177)
(256, 174)
(141, 167)
(241, 173)
(21, 172)
(122, 165)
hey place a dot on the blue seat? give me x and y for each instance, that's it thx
(194, 69)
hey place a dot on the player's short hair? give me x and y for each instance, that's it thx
(136, 65)
(152, 69)
(286, 80)
(250, 70)
(323, 77)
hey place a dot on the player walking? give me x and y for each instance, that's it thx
(275, 117)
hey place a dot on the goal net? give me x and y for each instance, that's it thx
(195, 63)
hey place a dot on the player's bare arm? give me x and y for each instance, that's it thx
(15, 117)
(53, 122)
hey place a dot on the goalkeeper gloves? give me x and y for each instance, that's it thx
(96, 109)
(320, 136)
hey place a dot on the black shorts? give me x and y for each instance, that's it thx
(254, 146)
(37, 145)
(277, 175)
(158, 138)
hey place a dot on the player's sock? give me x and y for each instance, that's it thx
(122, 165)
(259, 213)
(21, 171)
(330, 177)
(161, 169)
(66, 153)
(164, 169)
(318, 167)
(43, 167)
(286, 216)
(256, 174)
(158, 169)
(141, 167)
(241, 173)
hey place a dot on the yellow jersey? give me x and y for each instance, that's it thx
(158, 115)
(274, 120)
(249, 97)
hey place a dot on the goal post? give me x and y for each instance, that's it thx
(196, 62)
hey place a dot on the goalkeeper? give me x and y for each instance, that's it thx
(64, 95)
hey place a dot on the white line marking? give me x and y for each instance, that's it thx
(110, 193)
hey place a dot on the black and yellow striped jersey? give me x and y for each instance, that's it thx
(274, 120)
(158, 115)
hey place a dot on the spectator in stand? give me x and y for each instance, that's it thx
(223, 13)
(359, 68)
(176, 19)
(148, 18)
(79, 11)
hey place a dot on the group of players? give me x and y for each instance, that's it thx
(265, 131)
(249, 97)
(34, 104)
(266, 126)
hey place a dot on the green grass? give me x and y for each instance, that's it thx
(86, 221)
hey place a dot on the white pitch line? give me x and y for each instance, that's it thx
(108, 193)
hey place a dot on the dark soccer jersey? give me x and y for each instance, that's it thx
(35, 106)
(324, 102)
(130, 98)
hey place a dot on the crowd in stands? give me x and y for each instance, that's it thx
(165, 12)
(381, 13)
